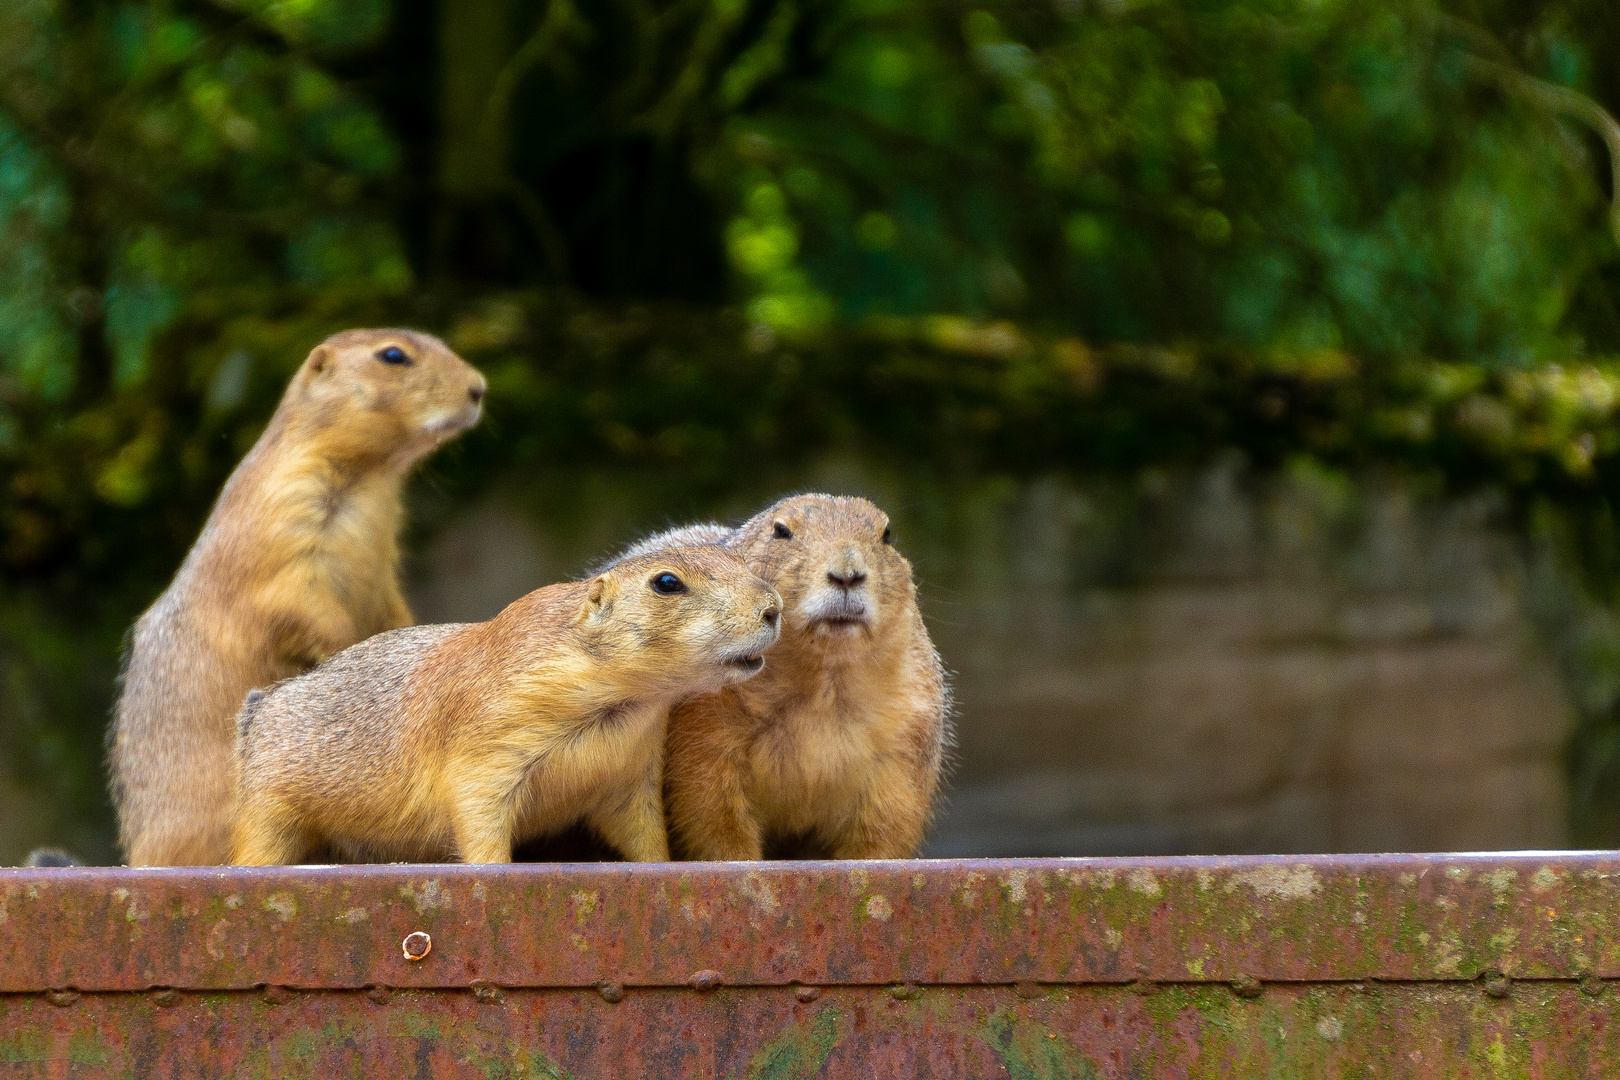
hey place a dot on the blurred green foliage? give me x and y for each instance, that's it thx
(1089, 235)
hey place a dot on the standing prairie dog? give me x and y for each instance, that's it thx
(840, 742)
(439, 742)
(298, 560)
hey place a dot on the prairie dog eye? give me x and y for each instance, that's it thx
(888, 535)
(667, 584)
(393, 355)
(782, 532)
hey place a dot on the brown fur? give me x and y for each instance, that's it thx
(840, 742)
(297, 561)
(437, 742)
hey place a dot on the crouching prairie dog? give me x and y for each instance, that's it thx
(838, 745)
(441, 742)
(297, 561)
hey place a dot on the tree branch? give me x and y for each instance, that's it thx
(1500, 66)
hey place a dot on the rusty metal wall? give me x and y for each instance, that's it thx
(1332, 966)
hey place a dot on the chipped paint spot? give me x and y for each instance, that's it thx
(233, 901)
(1546, 878)
(1278, 882)
(133, 912)
(428, 897)
(585, 904)
(353, 915)
(759, 894)
(1330, 1028)
(3, 915)
(216, 939)
(580, 943)
(967, 893)
(1142, 880)
(1206, 880)
(877, 907)
(479, 892)
(1105, 879)
(1014, 883)
(1448, 956)
(283, 904)
(1195, 968)
(919, 881)
(1112, 937)
(1359, 918)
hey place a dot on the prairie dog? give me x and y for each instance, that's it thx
(50, 856)
(297, 561)
(439, 742)
(841, 740)
(684, 536)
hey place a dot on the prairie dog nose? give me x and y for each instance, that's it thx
(847, 577)
(476, 392)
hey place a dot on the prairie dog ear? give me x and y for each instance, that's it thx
(599, 596)
(320, 359)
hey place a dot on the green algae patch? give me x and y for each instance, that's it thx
(315, 1052)
(84, 1048)
(24, 1046)
(1030, 1051)
(801, 1052)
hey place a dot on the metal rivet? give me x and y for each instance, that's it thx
(417, 945)
(380, 994)
(806, 994)
(486, 992)
(62, 998)
(1592, 986)
(1247, 986)
(611, 992)
(1496, 984)
(904, 991)
(276, 995)
(1143, 987)
(1027, 989)
(707, 980)
(163, 997)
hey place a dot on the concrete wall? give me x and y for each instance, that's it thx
(1195, 664)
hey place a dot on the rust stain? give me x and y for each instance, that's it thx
(767, 1033)
(1322, 966)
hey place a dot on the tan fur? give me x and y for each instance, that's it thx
(840, 742)
(439, 742)
(297, 561)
